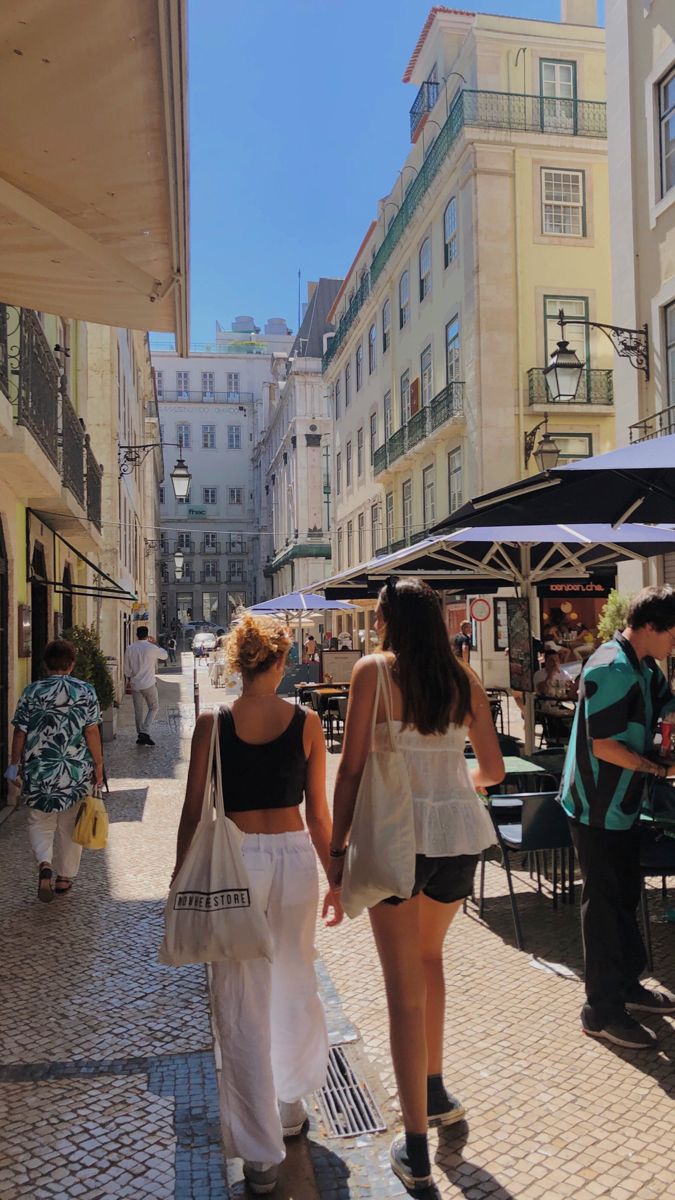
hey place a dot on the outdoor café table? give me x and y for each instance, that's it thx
(515, 768)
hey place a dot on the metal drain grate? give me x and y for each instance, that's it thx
(346, 1102)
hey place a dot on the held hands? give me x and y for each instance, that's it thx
(332, 901)
(334, 873)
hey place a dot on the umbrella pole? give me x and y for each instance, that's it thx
(529, 594)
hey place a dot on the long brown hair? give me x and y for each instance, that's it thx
(434, 684)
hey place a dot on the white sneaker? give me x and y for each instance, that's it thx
(261, 1177)
(293, 1117)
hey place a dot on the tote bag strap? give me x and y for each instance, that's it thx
(219, 801)
(384, 687)
(207, 801)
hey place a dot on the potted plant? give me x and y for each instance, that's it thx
(91, 666)
(613, 615)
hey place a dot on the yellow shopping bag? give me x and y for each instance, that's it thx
(91, 824)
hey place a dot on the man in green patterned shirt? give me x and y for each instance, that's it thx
(623, 694)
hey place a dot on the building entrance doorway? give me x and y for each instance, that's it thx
(39, 602)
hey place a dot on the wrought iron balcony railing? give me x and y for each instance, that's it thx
(38, 385)
(658, 425)
(204, 397)
(595, 387)
(236, 547)
(380, 460)
(447, 404)
(241, 578)
(356, 304)
(4, 357)
(72, 449)
(397, 444)
(423, 104)
(94, 485)
(418, 427)
(210, 548)
(210, 577)
(187, 547)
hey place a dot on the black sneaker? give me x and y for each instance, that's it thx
(646, 1001)
(400, 1165)
(144, 739)
(620, 1030)
(447, 1113)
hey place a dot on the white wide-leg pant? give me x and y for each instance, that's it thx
(51, 839)
(146, 707)
(269, 1018)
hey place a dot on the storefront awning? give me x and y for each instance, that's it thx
(93, 161)
(102, 587)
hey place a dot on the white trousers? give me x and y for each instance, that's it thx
(51, 839)
(145, 697)
(269, 1018)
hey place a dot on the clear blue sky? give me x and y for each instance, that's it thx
(298, 123)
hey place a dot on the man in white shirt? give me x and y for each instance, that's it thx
(140, 662)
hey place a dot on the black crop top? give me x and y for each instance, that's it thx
(265, 775)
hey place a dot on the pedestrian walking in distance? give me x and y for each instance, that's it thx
(171, 647)
(435, 702)
(140, 663)
(269, 1018)
(623, 694)
(56, 750)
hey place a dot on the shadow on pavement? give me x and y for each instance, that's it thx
(465, 1175)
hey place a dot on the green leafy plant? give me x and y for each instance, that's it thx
(91, 665)
(613, 615)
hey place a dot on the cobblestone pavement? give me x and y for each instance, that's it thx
(108, 1081)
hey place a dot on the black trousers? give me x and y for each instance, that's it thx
(614, 953)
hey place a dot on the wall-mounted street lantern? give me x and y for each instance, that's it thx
(547, 453)
(178, 560)
(564, 370)
(130, 457)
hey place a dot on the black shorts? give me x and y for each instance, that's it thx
(442, 879)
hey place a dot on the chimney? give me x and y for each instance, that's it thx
(579, 12)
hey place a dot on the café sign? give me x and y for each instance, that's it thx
(196, 511)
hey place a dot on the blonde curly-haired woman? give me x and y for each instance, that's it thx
(270, 1021)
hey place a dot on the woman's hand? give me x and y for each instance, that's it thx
(334, 873)
(332, 901)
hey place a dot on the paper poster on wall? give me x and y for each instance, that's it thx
(521, 669)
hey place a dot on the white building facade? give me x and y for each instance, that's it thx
(211, 405)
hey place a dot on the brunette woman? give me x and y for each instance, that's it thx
(270, 1022)
(436, 703)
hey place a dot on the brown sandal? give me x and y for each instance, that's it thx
(67, 885)
(45, 890)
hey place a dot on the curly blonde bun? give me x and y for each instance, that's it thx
(255, 644)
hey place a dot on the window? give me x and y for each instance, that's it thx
(563, 205)
(372, 349)
(350, 542)
(386, 326)
(338, 472)
(209, 495)
(576, 335)
(573, 446)
(425, 268)
(162, 493)
(164, 572)
(452, 373)
(338, 398)
(429, 496)
(359, 451)
(208, 385)
(210, 607)
(426, 376)
(234, 437)
(667, 127)
(236, 495)
(210, 570)
(183, 435)
(405, 397)
(359, 367)
(559, 89)
(159, 381)
(210, 543)
(183, 385)
(387, 416)
(450, 232)
(232, 384)
(373, 436)
(184, 607)
(389, 517)
(237, 544)
(406, 500)
(185, 499)
(670, 352)
(455, 480)
(348, 465)
(163, 543)
(348, 385)
(361, 534)
(339, 549)
(183, 542)
(235, 571)
(208, 437)
(376, 526)
(403, 300)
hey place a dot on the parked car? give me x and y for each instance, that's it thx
(205, 640)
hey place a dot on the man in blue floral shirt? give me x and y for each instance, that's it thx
(58, 742)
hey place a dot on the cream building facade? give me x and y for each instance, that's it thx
(447, 316)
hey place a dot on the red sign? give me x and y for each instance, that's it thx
(480, 608)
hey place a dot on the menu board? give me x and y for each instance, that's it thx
(521, 669)
(337, 665)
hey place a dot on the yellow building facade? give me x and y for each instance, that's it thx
(447, 317)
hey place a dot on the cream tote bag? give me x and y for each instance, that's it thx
(380, 859)
(211, 912)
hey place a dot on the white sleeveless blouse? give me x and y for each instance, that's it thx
(450, 818)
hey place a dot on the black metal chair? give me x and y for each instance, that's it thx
(540, 824)
(657, 857)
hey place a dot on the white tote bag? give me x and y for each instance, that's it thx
(211, 912)
(380, 859)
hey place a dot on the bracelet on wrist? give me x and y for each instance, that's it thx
(337, 853)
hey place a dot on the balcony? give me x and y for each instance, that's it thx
(240, 578)
(4, 362)
(210, 577)
(72, 450)
(210, 548)
(595, 387)
(37, 406)
(236, 546)
(446, 405)
(424, 102)
(186, 545)
(658, 425)
(347, 320)
(94, 485)
(202, 397)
